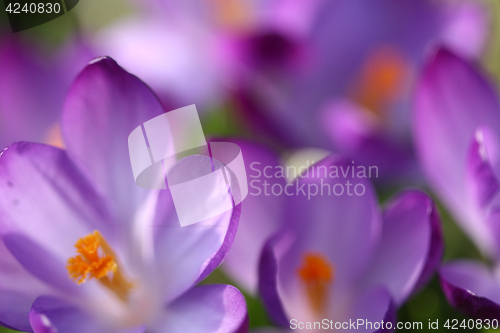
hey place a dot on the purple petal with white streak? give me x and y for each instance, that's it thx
(472, 288)
(482, 181)
(40, 323)
(452, 101)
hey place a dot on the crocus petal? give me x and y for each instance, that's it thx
(46, 206)
(53, 315)
(261, 116)
(206, 309)
(268, 280)
(331, 223)
(174, 55)
(49, 314)
(335, 57)
(481, 180)
(184, 255)
(31, 93)
(14, 309)
(40, 323)
(221, 254)
(374, 305)
(261, 214)
(411, 244)
(355, 131)
(468, 28)
(435, 250)
(452, 101)
(291, 16)
(482, 186)
(18, 290)
(472, 287)
(103, 106)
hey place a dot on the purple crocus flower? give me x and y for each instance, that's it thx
(240, 16)
(86, 250)
(196, 50)
(344, 83)
(457, 128)
(339, 257)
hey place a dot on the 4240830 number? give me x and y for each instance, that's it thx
(454, 324)
(40, 8)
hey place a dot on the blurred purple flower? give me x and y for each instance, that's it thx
(343, 84)
(260, 215)
(192, 51)
(339, 257)
(457, 128)
(181, 60)
(456, 121)
(241, 16)
(86, 250)
(33, 87)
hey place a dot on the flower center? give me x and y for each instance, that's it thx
(317, 275)
(96, 260)
(381, 78)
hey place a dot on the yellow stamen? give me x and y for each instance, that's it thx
(317, 274)
(96, 260)
(381, 79)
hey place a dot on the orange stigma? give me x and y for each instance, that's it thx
(381, 78)
(317, 274)
(96, 260)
